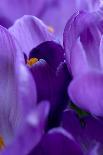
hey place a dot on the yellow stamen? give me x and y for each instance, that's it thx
(2, 144)
(32, 61)
(50, 29)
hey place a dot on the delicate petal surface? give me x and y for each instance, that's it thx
(87, 130)
(51, 86)
(57, 141)
(13, 89)
(32, 132)
(29, 32)
(86, 92)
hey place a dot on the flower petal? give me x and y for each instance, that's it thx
(57, 141)
(29, 32)
(51, 86)
(81, 45)
(32, 132)
(86, 130)
(86, 92)
(71, 123)
(13, 91)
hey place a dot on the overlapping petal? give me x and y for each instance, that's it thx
(80, 42)
(32, 131)
(14, 87)
(57, 141)
(87, 131)
(86, 92)
(30, 32)
(83, 47)
(50, 86)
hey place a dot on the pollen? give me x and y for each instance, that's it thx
(2, 144)
(50, 29)
(32, 61)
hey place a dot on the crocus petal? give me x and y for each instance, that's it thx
(101, 52)
(14, 9)
(92, 5)
(51, 52)
(43, 77)
(87, 130)
(32, 132)
(12, 95)
(82, 131)
(57, 141)
(51, 86)
(86, 92)
(75, 58)
(29, 32)
(71, 123)
(81, 45)
(94, 151)
(90, 39)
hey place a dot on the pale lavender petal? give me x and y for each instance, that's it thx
(31, 133)
(13, 91)
(29, 32)
(86, 92)
(80, 43)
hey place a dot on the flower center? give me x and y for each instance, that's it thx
(2, 144)
(32, 61)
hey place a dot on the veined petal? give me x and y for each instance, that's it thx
(57, 141)
(32, 131)
(82, 42)
(29, 32)
(86, 92)
(51, 86)
(12, 95)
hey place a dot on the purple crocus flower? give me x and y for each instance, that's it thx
(20, 118)
(83, 46)
(45, 59)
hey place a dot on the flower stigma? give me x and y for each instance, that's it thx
(32, 61)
